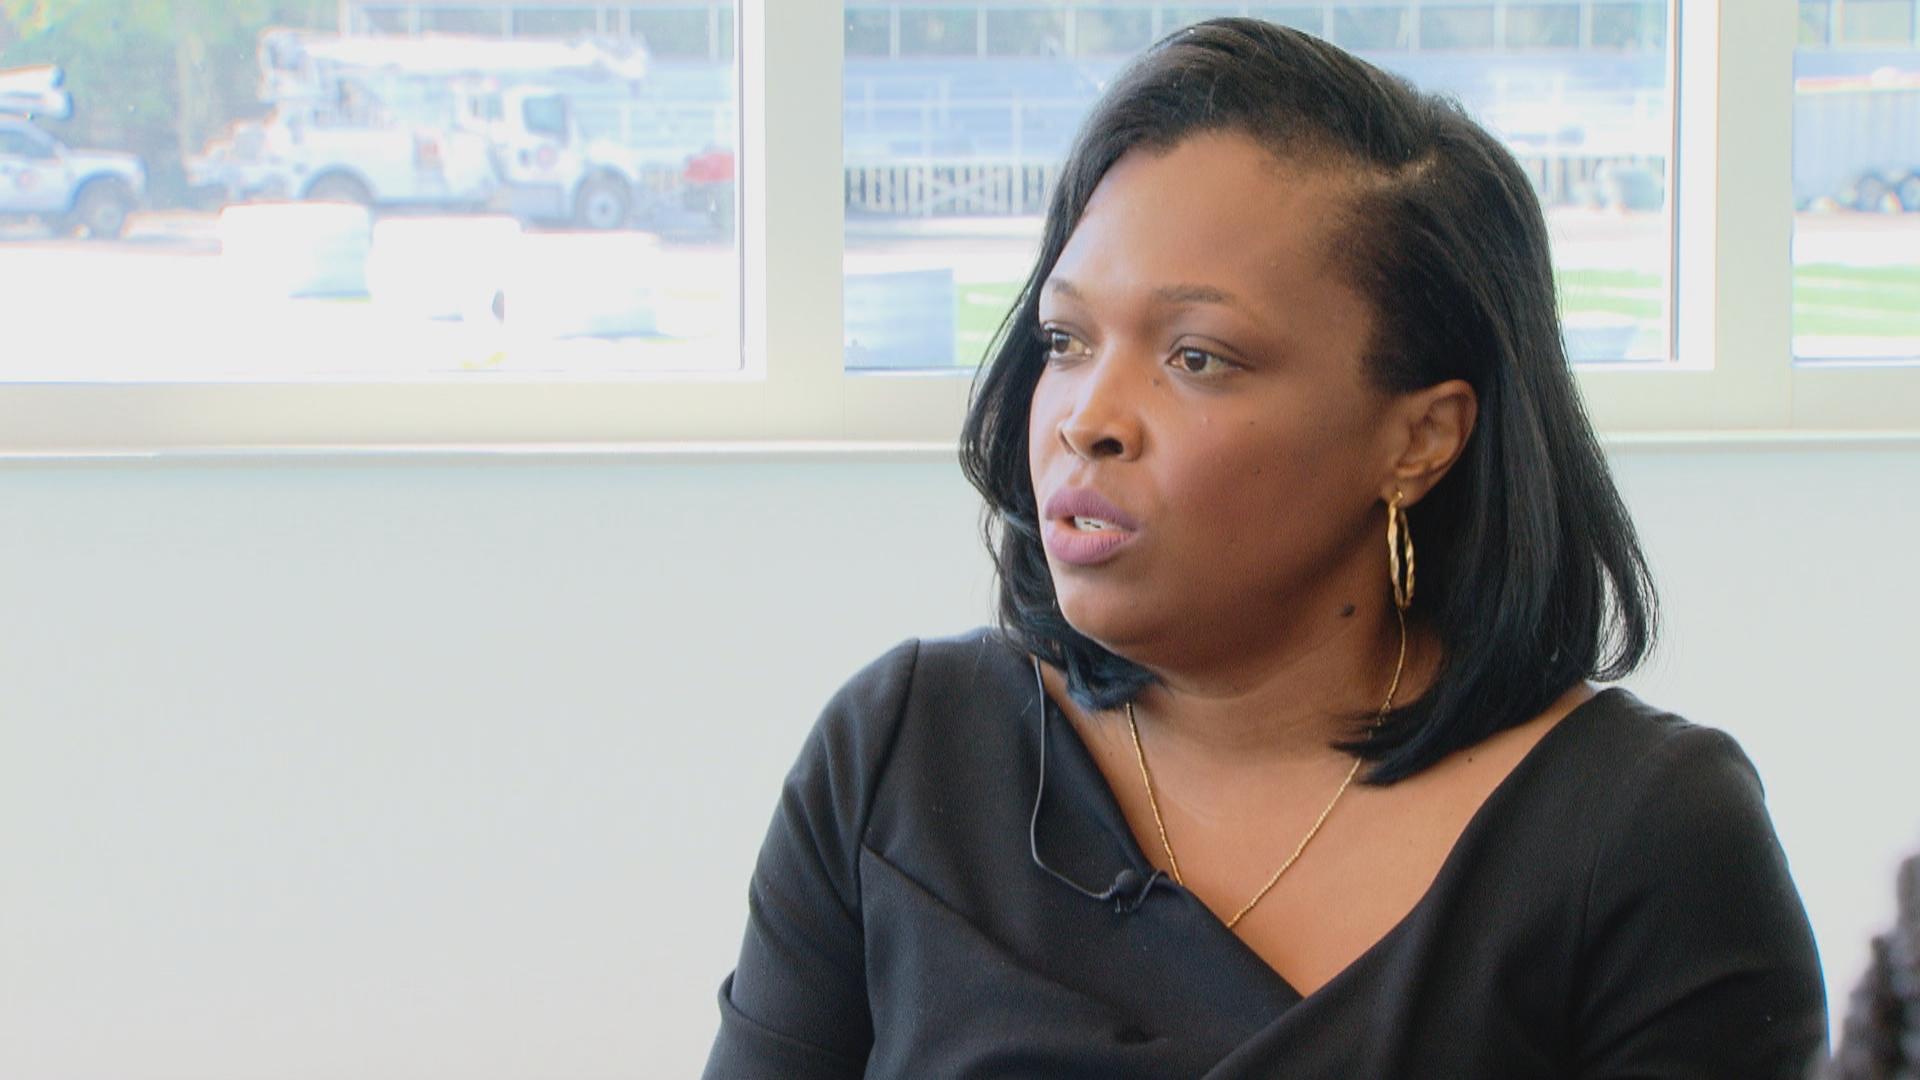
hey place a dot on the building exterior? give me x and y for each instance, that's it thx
(704, 30)
(672, 29)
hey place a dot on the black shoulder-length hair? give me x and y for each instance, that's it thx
(1531, 575)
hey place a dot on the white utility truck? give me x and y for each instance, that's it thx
(89, 192)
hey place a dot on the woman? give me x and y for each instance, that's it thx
(1237, 788)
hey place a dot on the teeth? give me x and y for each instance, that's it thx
(1090, 524)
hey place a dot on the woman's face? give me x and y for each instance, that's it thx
(1207, 451)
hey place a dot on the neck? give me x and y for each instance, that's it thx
(1281, 702)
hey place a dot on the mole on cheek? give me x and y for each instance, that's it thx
(1347, 612)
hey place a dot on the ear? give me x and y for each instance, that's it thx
(1435, 423)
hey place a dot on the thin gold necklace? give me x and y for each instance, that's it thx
(1173, 863)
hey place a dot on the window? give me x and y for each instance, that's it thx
(939, 32)
(386, 21)
(463, 21)
(1310, 19)
(545, 116)
(1638, 27)
(1176, 15)
(1026, 33)
(675, 34)
(415, 202)
(1542, 26)
(869, 31)
(1856, 191)
(1366, 28)
(1112, 32)
(1457, 27)
(754, 343)
(1816, 24)
(1876, 22)
(24, 142)
(948, 168)
(555, 22)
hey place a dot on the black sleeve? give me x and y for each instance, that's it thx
(1698, 960)
(796, 1006)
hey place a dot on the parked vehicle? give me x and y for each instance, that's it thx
(296, 153)
(708, 184)
(384, 162)
(238, 166)
(89, 192)
(548, 169)
(1857, 141)
(445, 123)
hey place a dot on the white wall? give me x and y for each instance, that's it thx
(457, 767)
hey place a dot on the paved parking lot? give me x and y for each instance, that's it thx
(305, 291)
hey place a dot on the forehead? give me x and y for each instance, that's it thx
(1216, 208)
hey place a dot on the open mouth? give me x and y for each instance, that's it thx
(1079, 540)
(1083, 527)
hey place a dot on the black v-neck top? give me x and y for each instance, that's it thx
(949, 889)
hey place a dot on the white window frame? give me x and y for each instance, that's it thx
(1734, 376)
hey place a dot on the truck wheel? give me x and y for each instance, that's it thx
(604, 202)
(100, 210)
(340, 188)
(1909, 191)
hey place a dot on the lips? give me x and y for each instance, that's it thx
(1081, 528)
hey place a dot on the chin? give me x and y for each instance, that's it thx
(1107, 622)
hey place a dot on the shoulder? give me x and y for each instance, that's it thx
(1691, 822)
(967, 659)
(1655, 763)
(1650, 789)
(895, 715)
(919, 671)
(1693, 931)
(917, 679)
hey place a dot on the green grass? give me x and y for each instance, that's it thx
(1628, 293)
(1608, 279)
(1828, 301)
(981, 307)
(1857, 301)
(1595, 303)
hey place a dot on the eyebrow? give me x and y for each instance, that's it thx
(1169, 295)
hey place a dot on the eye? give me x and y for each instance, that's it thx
(1201, 362)
(1060, 344)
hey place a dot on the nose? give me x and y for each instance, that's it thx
(1102, 417)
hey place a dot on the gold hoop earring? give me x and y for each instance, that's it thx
(1399, 553)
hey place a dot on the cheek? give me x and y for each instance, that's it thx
(1248, 477)
(1041, 423)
